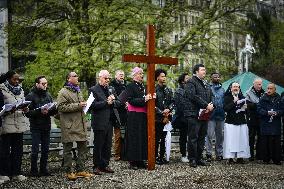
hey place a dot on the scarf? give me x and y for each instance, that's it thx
(74, 87)
(16, 90)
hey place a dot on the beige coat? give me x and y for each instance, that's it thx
(15, 122)
(72, 121)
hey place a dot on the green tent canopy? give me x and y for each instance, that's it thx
(246, 81)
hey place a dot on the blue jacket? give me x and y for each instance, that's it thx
(270, 126)
(218, 113)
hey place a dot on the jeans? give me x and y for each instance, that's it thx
(215, 128)
(40, 137)
(11, 154)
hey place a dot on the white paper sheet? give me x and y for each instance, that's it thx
(90, 100)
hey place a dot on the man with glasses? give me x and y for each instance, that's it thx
(40, 124)
(104, 114)
(73, 126)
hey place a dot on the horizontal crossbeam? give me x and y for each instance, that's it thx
(149, 59)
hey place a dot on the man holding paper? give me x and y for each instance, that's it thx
(104, 114)
(73, 126)
(40, 110)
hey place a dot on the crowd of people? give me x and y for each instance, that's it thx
(240, 125)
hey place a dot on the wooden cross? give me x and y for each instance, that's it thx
(151, 59)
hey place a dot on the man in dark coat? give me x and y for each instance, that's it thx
(253, 95)
(198, 97)
(103, 115)
(39, 114)
(136, 127)
(164, 105)
(119, 85)
(270, 108)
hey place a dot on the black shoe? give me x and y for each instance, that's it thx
(231, 161)
(240, 161)
(219, 158)
(193, 164)
(142, 165)
(266, 162)
(251, 159)
(45, 174)
(208, 157)
(34, 174)
(202, 163)
(106, 170)
(159, 161)
(164, 161)
(277, 162)
(133, 167)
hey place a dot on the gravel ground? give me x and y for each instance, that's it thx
(173, 175)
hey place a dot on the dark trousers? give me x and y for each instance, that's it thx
(271, 148)
(160, 137)
(254, 134)
(102, 147)
(197, 131)
(40, 137)
(11, 154)
(183, 130)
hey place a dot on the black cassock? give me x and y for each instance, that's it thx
(136, 127)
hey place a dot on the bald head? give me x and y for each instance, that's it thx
(271, 89)
(257, 84)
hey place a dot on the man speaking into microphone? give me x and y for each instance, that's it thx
(103, 116)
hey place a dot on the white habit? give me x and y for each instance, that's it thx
(236, 141)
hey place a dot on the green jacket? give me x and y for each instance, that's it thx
(72, 120)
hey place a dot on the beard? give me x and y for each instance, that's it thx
(235, 93)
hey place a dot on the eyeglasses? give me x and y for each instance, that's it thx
(106, 78)
(73, 75)
(43, 83)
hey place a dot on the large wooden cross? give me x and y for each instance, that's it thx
(151, 59)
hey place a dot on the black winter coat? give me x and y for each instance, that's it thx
(230, 108)
(197, 96)
(164, 100)
(102, 112)
(39, 121)
(266, 103)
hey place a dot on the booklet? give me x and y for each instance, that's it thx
(48, 106)
(20, 104)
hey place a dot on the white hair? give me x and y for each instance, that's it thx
(103, 73)
(117, 72)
